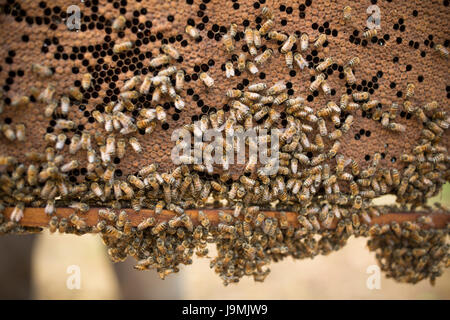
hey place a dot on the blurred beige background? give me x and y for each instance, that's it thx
(340, 275)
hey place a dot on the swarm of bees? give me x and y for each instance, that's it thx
(330, 194)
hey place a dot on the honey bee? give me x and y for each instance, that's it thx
(123, 46)
(282, 97)
(17, 213)
(320, 40)
(431, 106)
(370, 33)
(266, 27)
(159, 207)
(361, 96)
(159, 60)
(41, 71)
(86, 81)
(228, 43)
(147, 223)
(242, 61)
(171, 51)
(410, 90)
(125, 187)
(441, 50)
(186, 220)
(267, 13)
(75, 93)
(256, 38)
(50, 109)
(409, 107)
(289, 43)
(347, 13)
(289, 56)
(277, 36)
(325, 64)
(21, 101)
(79, 223)
(229, 69)
(119, 23)
(53, 224)
(349, 76)
(207, 80)
(192, 32)
(251, 67)
(396, 127)
(264, 57)
(71, 165)
(326, 89)
(47, 95)
(134, 143)
(300, 61)
(79, 207)
(317, 82)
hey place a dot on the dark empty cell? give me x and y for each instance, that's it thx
(415, 13)
(364, 43)
(386, 37)
(402, 28)
(334, 33)
(321, 29)
(374, 39)
(399, 40)
(408, 116)
(395, 59)
(368, 133)
(282, 8)
(362, 131)
(408, 67)
(292, 73)
(302, 15)
(256, 5)
(308, 3)
(358, 41)
(393, 85)
(393, 159)
(283, 22)
(357, 136)
(396, 26)
(235, 6)
(367, 157)
(399, 94)
(262, 75)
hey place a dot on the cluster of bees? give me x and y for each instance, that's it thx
(332, 195)
(407, 253)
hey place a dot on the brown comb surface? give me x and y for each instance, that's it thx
(386, 61)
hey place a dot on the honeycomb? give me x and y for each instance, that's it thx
(402, 64)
